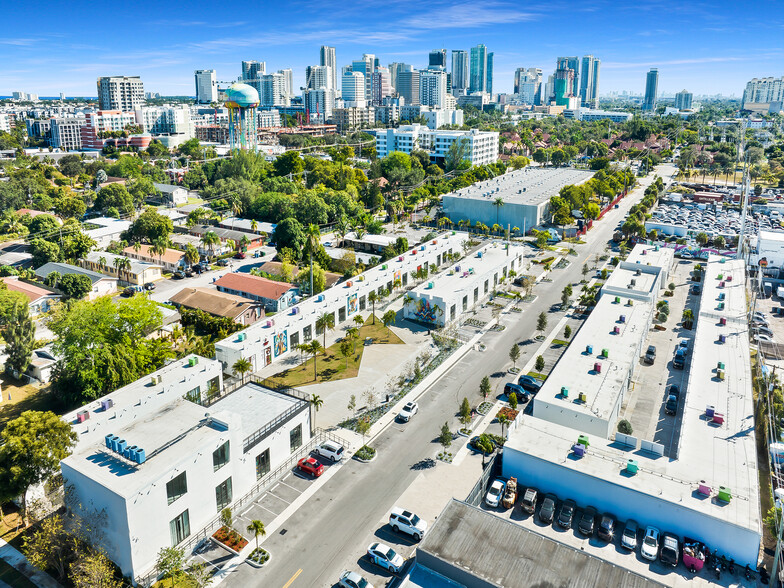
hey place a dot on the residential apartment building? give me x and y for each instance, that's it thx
(460, 75)
(432, 88)
(348, 119)
(651, 90)
(102, 121)
(482, 145)
(273, 90)
(572, 63)
(102, 285)
(66, 133)
(219, 304)
(763, 95)
(683, 100)
(206, 86)
(481, 70)
(132, 273)
(353, 89)
(408, 86)
(170, 259)
(123, 93)
(435, 118)
(589, 81)
(165, 120)
(380, 86)
(327, 59)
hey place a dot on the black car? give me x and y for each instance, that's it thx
(188, 273)
(529, 384)
(149, 286)
(196, 268)
(650, 354)
(566, 514)
(674, 391)
(606, 529)
(222, 263)
(547, 511)
(129, 291)
(695, 289)
(671, 406)
(587, 521)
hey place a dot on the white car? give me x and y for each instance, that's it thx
(650, 545)
(353, 580)
(494, 493)
(409, 410)
(407, 522)
(762, 337)
(330, 450)
(386, 557)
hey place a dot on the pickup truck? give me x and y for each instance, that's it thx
(510, 495)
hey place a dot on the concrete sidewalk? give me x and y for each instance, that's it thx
(19, 562)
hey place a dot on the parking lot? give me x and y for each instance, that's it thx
(613, 552)
(644, 405)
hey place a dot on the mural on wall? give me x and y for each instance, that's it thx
(351, 306)
(281, 343)
(425, 312)
(397, 277)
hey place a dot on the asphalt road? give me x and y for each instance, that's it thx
(323, 537)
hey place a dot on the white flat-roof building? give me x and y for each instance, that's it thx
(195, 460)
(271, 339)
(709, 489)
(588, 394)
(482, 145)
(444, 298)
(526, 194)
(109, 229)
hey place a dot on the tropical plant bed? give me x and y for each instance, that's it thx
(475, 323)
(484, 408)
(498, 328)
(365, 453)
(258, 557)
(514, 370)
(230, 539)
(563, 263)
(497, 439)
(464, 432)
(516, 309)
(529, 298)
(508, 412)
(445, 456)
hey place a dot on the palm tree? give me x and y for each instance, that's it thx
(503, 420)
(498, 203)
(316, 401)
(324, 323)
(209, 240)
(340, 230)
(373, 297)
(191, 255)
(254, 225)
(497, 228)
(159, 247)
(102, 262)
(389, 318)
(120, 264)
(314, 347)
(312, 240)
(241, 367)
(244, 242)
(257, 528)
(231, 244)
(358, 320)
(353, 334)
(137, 245)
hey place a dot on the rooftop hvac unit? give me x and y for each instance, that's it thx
(638, 272)
(729, 278)
(430, 285)
(82, 416)
(422, 247)
(617, 300)
(622, 319)
(723, 321)
(720, 277)
(589, 349)
(115, 442)
(721, 306)
(644, 252)
(107, 403)
(242, 337)
(583, 440)
(578, 449)
(128, 451)
(616, 330)
(721, 284)
(582, 397)
(383, 267)
(400, 258)
(703, 488)
(435, 241)
(632, 466)
(722, 339)
(108, 439)
(479, 254)
(140, 456)
(349, 284)
(605, 352)
(564, 391)
(720, 374)
(725, 494)
(121, 445)
(710, 411)
(597, 367)
(634, 282)
(319, 298)
(295, 310)
(192, 361)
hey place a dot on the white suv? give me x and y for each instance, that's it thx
(407, 522)
(330, 450)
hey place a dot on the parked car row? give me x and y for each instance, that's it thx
(654, 545)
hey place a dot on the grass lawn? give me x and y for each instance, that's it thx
(560, 342)
(332, 366)
(23, 397)
(12, 523)
(537, 376)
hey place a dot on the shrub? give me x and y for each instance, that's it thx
(567, 331)
(365, 452)
(539, 363)
(625, 427)
(513, 401)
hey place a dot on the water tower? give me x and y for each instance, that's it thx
(242, 100)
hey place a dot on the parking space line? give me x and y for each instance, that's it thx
(292, 487)
(278, 497)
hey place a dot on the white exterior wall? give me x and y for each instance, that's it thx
(262, 335)
(732, 540)
(482, 145)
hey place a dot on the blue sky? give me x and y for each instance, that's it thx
(48, 47)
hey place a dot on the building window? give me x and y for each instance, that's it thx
(476, 294)
(362, 303)
(223, 494)
(485, 286)
(180, 528)
(220, 457)
(294, 340)
(262, 464)
(465, 303)
(452, 313)
(307, 333)
(295, 437)
(194, 395)
(176, 488)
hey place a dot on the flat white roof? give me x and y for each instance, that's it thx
(575, 369)
(530, 185)
(256, 406)
(653, 255)
(479, 266)
(720, 454)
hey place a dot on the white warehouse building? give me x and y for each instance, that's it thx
(707, 486)
(526, 195)
(273, 339)
(482, 145)
(443, 299)
(161, 461)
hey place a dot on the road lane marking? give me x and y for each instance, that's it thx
(294, 577)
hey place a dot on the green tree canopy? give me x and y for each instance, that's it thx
(149, 226)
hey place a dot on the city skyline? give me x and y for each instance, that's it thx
(708, 49)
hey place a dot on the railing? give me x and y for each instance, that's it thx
(258, 436)
(193, 541)
(474, 497)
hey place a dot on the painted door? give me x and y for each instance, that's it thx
(267, 356)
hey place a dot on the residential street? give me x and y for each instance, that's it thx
(327, 533)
